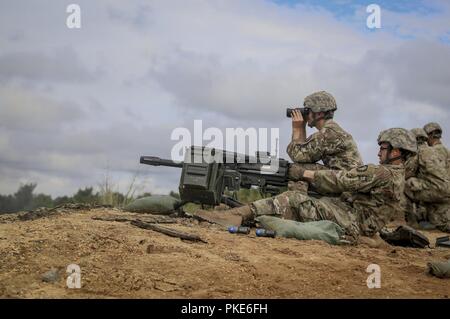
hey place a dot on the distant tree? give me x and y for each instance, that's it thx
(62, 200)
(24, 199)
(42, 200)
(7, 204)
(86, 196)
(144, 195)
(173, 194)
(24, 196)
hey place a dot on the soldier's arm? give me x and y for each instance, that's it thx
(361, 179)
(309, 151)
(434, 166)
(411, 166)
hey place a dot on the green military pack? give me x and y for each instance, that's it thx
(319, 230)
(155, 204)
(439, 269)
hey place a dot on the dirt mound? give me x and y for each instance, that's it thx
(120, 260)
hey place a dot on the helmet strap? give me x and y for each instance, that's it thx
(390, 159)
(315, 120)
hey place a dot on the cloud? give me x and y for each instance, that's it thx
(242, 89)
(137, 16)
(420, 71)
(24, 110)
(62, 65)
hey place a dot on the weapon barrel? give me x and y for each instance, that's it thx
(156, 161)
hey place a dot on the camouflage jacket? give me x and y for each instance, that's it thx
(443, 153)
(334, 146)
(430, 166)
(373, 193)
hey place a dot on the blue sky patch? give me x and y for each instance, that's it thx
(344, 8)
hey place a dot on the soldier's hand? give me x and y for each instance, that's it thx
(295, 172)
(297, 119)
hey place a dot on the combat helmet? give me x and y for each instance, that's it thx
(320, 102)
(434, 128)
(399, 138)
(421, 135)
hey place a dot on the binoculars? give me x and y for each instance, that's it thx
(303, 110)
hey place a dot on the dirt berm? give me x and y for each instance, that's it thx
(119, 260)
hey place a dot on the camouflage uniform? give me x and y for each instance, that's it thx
(430, 181)
(444, 153)
(334, 146)
(411, 165)
(369, 196)
(435, 129)
(429, 186)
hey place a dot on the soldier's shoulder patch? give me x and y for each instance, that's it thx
(383, 172)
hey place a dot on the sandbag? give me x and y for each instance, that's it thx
(320, 230)
(439, 269)
(155, 204)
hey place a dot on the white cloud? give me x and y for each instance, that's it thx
(61, 65)
(22, 109)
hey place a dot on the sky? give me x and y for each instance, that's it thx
(77, 105)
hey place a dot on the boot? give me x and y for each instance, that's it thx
(231, 217)
(443, 241)
(405, 236)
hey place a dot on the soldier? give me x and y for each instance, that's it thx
(427, 185)
(370, 194)
(428, 182)
(411, 164)
(434, 132)
(330, 144)
(421, 136)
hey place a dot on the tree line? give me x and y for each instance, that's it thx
(25, 199)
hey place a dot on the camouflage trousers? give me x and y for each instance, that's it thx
(437, 214)
(296, 205)
(427, 204)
